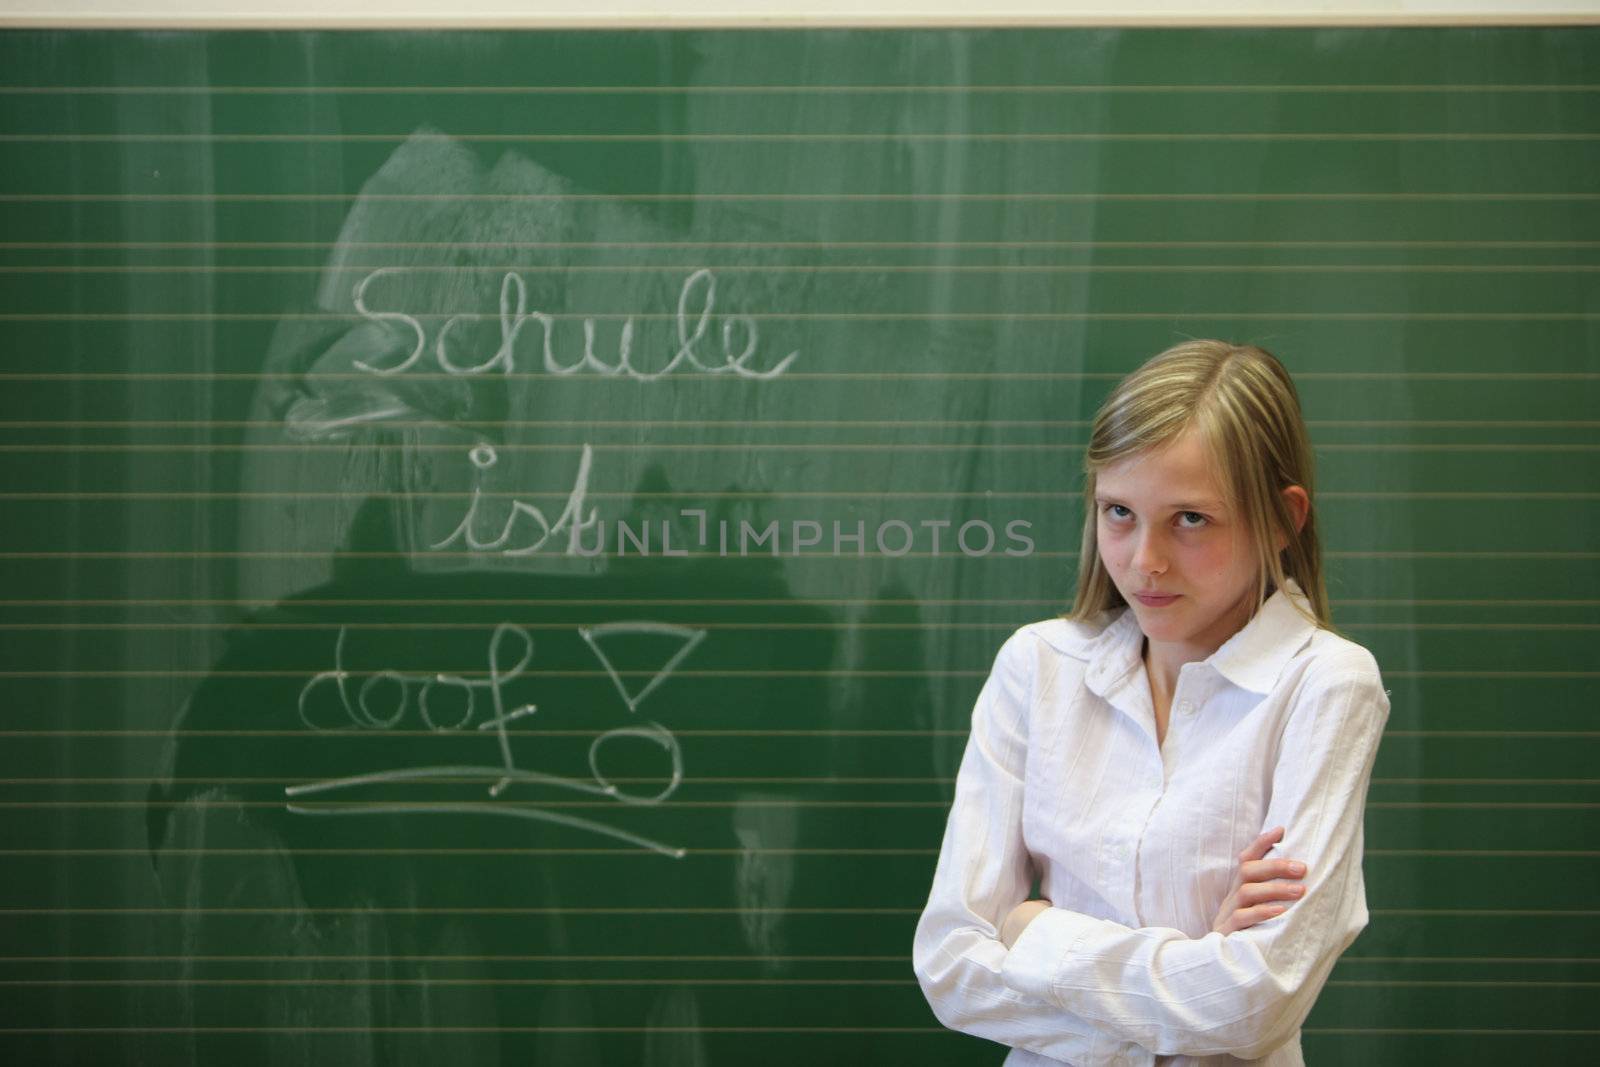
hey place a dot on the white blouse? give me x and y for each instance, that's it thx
(1138, 843)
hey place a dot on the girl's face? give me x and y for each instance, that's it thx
(1164, 527)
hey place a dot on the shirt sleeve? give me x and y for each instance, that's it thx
(1246, 993)
(982, 873)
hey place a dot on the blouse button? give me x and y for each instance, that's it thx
(1185, 707)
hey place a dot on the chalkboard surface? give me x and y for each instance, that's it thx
(503, 531)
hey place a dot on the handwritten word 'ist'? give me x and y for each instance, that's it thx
(483, 456)
(692, 328)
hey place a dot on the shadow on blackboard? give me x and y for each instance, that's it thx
(414, 877)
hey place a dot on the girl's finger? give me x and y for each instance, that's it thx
(1264, 892)
(1248, 917)
(1275, 868)
(1259, 847)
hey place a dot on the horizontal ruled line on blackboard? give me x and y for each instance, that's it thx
(1379, 780)
(821, 197)
(812, 89)
(639, 601)
(509, 853)
(762, 136)
(413, 602)
(547, 673)
(642, 909)
(431, 981)
(470, 554)
(623, 494)
(356, 733)
(509, 910)
(514, 853)
(740, 626)
(1485, 912)
(367, 807)
(448, 779)
(590, 245)
(346, 447)
(820, 673)
(144, 781)
(1442, 1031)
(568, 625)
(837, 672)
(1349, 958)
(766, 136)
(477, 737)
(439, 1028)
(547, 381)
(508, 423)
(838, 268)
(434, 1028)
(474, 807)
(799, 316)
(439, 554)
(626, 495)
(519, 957)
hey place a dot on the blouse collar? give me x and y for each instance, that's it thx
(1253, 658)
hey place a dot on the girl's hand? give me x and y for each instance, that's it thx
(1020, 917)
(1254, 889)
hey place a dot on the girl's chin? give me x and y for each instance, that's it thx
(1163, 624)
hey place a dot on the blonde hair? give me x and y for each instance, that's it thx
(1247, 412)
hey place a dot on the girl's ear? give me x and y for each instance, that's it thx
(1299, 507)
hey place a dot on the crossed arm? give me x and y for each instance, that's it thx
(1096, 993)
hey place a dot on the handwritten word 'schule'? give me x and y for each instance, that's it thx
(739, 336)
(364, 712)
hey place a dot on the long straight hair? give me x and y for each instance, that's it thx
(1247, 411)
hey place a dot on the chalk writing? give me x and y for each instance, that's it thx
(361, 714)
(739, 336)
(484, 457)
(592, 634)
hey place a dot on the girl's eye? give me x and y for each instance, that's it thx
(1199, 522)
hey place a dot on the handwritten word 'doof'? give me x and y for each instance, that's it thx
(362, 715)
(739, 336)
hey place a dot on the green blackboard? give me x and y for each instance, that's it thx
(330, 359)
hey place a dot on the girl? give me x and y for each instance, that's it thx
(1143, 753)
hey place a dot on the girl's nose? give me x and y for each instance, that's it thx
(1147, 556)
